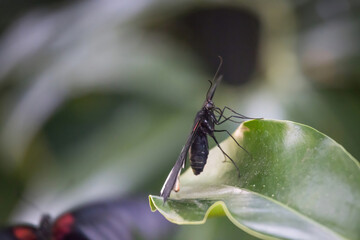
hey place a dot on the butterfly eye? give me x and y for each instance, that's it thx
(209, 105)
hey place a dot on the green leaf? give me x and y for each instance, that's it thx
(297, 183)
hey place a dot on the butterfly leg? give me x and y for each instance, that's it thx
(234, 140)
(217, 143)
(237, 115)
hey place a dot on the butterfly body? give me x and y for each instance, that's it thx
(199, 149)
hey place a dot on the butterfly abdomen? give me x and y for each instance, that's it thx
(199, 152)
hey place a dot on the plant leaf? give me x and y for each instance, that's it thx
(297, 183)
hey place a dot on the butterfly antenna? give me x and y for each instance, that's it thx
(218, 69)
(209, 87)
(215, 80)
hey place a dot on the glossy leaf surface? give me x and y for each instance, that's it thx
(297, 183)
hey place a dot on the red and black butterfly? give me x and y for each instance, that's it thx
(124, 219)
(197, 143)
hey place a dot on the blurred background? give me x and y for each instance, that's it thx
(97, 97)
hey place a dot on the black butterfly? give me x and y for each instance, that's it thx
(123, 219)
(197, 143)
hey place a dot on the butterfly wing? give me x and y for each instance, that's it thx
(19, 232)
(171, 181)
(115, 219)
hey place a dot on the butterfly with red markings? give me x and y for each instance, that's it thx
(124, 219)
(197, 144)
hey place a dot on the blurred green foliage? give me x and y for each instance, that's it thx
(97, 97)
